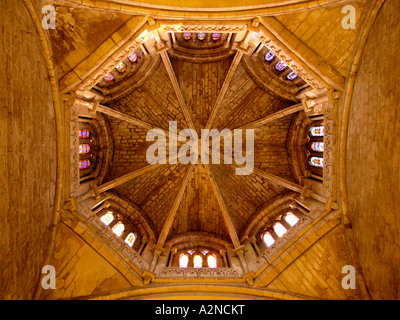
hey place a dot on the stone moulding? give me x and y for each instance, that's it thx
(268, 253)
(107, 234)
(299, 70)
(219, 273)
(195, 26)
(174, 27)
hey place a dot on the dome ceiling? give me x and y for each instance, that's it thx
(203, 84)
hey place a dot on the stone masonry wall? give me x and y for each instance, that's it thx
(373, 156)
(27, 153)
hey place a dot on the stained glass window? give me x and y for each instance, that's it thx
(317, 162)
(270, 56)
(212, 261)
(84, 148)
(291, 219)
(279, 229)
(318, 146)
(198, 261)
(292, 76)
(109, 77)
(107, 218)
(215, 36)
(187, 35)
(201, 35)
(83, 134)
(118, 228)
(280, 66)
(183, 261)
(121, 67)
(317, 131)
(268, 239)
(84, 164)
(133, 57)
(130, 239)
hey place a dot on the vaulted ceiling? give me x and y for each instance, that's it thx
(208, 84)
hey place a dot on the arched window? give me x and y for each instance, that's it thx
(318, 146)
(133, 57)
(317, 131)
(279, 229)
(292, 76)
(187, 35)
(198, 261)
(121, 67)
(270, 56)
(109, 77)
(84, 164)
(268, 239)
(201, 35)
(84, 148)
(212, 261)
(84, 134)
(280, 66)
(183, 261)
(317, 162)
(291, 218)
(107, 218)
(215, 36)
(130, 239)
(118, 228)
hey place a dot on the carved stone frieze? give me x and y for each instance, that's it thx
(224, 273)
(177, 27)
(74, 149)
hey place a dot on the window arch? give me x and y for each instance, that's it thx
(133, 57)
(121, 67)
(183, 261)
(84, 164)
(215, 36)
(291, 219)
(318, 146)
(280, 66)
(109, 77)
(107, 218)
(118, 228)
(270, 56)
(281, 225)
(84, 148)
(279, 229)
(212, 261)
(317, 162)
(130, 239)
(198, 261)
(84, 134)
(317, 131)
(292, 76)
(268, 239)
(315, 149)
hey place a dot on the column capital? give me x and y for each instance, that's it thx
(249, 278)
(148, 277)
(239, 250)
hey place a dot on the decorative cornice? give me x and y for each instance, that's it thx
(217, 273)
